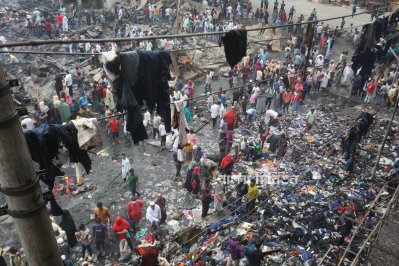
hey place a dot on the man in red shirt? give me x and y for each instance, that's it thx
(114, 125)
(134, 211)
(48, 27)
(370, 91)
(287, 99)
(59, 20)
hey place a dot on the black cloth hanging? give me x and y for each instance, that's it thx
(43, 143)
(68, 225)
(55, 209)
(235, 46)
(143, 79)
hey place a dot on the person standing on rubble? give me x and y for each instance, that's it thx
(126, 167)
(310, 120)
(102, 213)
(156, 121)
(69, 83)
(206, 196)
(252, 194)
(64, 23)
(59, 21)
(132, 182)
(153, 215)
(161, 202)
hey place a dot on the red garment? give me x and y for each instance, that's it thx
(134, 210)
(120, 225)
(287, 97)
(190, 89)
(323, 41)
(342, 209)
(59, 19)
(230, 118)
(47, 25)
(147, 11)
(114, 124)
(226, 161)
(149, 255)
(371, 88)
(299, 86)
(297, 98)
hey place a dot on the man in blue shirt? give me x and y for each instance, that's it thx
(223, 98)
(251, 112)
(99, 236)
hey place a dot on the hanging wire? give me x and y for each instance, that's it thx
(172, 36)
(172, 50)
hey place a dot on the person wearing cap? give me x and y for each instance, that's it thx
(64, 248)
(27, 123)
(161, 202)
(153, 214)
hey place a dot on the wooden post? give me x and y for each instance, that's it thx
(20, 185)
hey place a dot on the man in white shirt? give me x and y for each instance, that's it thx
(208, 82)
(125, 167)
(147, 118)
(184, 97)
(153, 214)
(215, 109)
(98, 48)
(155, 124)
(229, 10)
(259, 75)
(162, 132)
(256, 89)
(319, 30)
(68, 82)
(149, 46)
(271, 116)
(210, 101)
(176, 95)
(222, 111)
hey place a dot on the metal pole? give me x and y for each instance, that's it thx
(19, 184)
(390, 122)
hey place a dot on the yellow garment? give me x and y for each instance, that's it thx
(252, 192)
(156, 11)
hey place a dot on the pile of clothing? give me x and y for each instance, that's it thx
(313, 204)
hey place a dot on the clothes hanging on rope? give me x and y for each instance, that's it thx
(235, 46)
(140, 78)
(44, 142)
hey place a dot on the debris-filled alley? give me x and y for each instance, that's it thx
(207, 132)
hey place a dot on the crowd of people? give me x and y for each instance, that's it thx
(271, 89)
